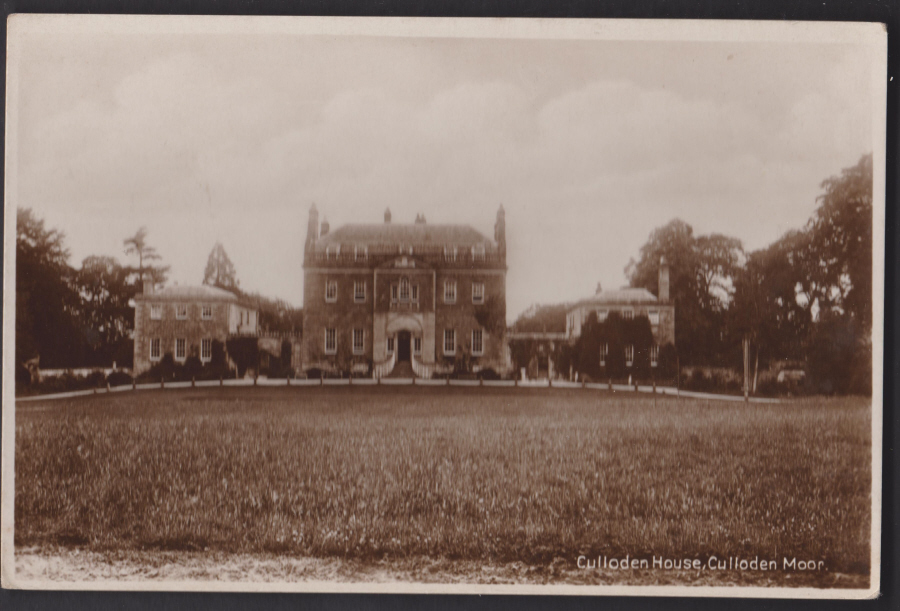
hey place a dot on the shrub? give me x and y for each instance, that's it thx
(119, 378)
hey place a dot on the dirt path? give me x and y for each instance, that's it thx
(68, 565)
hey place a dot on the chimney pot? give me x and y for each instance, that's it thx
(387, 216)
(599, 289)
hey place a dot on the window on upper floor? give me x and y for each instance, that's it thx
(359, 291)
(628, 314)
(478, 252)
(156, 311)
(477, 342)
(206, 312)
(449, 341)
(394, 288)
(360, 253)
(333, 251)
(653, 315)
(404, 289)
(601, 315)
(451, 253)
(181, 310)
(478, 292)
(414, 293)
(331, 291)
(449, 291)
(330, 341)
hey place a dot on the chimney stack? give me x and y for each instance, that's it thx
(599, 289)
(663, 280)
(148, 286)
(420, 219)
(387, 216)
(325, 228)
(312, 227)
(500, 231)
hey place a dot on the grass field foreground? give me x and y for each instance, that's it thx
(469, 474)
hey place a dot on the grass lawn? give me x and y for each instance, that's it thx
(451, 477)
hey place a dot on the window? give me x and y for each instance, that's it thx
(206, 312)
(451, 253)
(417, 345)
(604, 350)
(628, 314)
(449, 341)
(180, 311)
(601, 315)
(478, 252)
(330, 341)
(359, 291)
(333, 252)
(155, 312)
(360, 253)
(478, 292)
(477, 342)
(449, 291)
(629, 355)
(654, 355)
(155, 352)
(331, 291)
(205, 349)
(390, 345)
(404, 289)
(358, 341)
(180, 349)
(394, 293)
(415, 293)
(653, 315)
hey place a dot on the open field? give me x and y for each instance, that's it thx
(483, 483)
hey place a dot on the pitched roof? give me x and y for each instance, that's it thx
(620, 296)
(191, 293)
(417, 234)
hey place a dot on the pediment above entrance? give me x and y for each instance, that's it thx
(404, 262)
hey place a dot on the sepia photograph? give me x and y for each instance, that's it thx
(586, 307)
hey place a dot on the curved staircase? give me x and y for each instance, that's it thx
(402, 369)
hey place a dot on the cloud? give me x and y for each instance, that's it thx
(588, 148)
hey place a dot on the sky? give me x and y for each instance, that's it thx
(588, 144)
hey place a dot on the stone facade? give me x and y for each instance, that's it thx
(189, 315)
(629, 302)
(375, 295)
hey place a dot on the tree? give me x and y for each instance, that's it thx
(220, 270)
(808, 296)
(137, 245)
(702, 272)
(47, 304)
(543, 319)
(841, 243)
(105, 289)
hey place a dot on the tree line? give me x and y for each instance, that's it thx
(804, 301)
(68, 317)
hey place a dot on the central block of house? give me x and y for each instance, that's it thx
(404, 299)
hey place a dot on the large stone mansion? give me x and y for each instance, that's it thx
(415, 298)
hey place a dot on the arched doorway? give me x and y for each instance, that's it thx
(403, 345)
